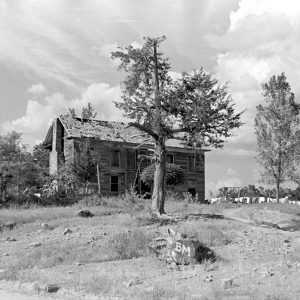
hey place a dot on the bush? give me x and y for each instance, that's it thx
(31, 200)
(174, 175)
(131, 244)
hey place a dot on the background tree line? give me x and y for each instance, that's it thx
(260, 191)
(22, 172)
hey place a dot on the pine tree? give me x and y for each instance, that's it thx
(195, 109)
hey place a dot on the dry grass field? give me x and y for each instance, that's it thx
(107, 256)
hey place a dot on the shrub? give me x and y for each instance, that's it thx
(174, 175)
(130, 244)
(209, 235)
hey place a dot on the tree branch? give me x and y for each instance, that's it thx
(178, 130)
(143, 128)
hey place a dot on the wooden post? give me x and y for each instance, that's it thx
(98, 178)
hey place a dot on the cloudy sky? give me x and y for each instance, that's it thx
(55, 54)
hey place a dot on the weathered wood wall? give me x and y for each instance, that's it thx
(57, 151)
(129, 163)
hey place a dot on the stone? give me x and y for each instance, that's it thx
(66, 231)
(10, 239)
(50, 288)
(84, 213)
(34, 244)
(9, 226)
(45, 226)
(5, 254)
(208, 278)
(182, 252)
(227, 283)
(132, 282)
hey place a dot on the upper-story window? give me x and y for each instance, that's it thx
(200, 163)
(115, 158)
(170, 158)
(191, 164)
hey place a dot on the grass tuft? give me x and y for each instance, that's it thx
(131, 244)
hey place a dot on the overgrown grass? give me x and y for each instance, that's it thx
(46, 214)
(120, 246)
(131, 244)
(208, 233)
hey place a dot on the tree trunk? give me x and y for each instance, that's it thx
(3, 195)
(277, 191)
(159, 189)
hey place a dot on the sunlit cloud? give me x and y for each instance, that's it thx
(39, 114)
(37, 89)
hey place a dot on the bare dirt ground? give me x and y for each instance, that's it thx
(106, 256)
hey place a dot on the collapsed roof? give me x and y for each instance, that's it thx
(110, 131)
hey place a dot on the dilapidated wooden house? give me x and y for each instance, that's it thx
(120, 147)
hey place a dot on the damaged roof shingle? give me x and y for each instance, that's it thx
(107, 131)
(102, 130)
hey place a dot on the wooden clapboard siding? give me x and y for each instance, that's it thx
(128, 167)
(65, 151)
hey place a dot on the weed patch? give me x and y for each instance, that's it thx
(209, 235)
(131, 244)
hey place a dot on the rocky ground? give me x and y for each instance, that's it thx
(88, 258)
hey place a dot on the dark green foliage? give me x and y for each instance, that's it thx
(249, 191)
(41, 156)
(5, 179)
(278, 135)
(84, 167)
(204, 109)
(21, 173)
(174, 175)
(87, 112)
(131, 244)
(195, 108)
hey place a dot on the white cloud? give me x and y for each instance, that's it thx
(53, 40)
(106, 50)
(175, 75)
(240, 152)
(262, 40)
(247, 8)
(37, 89)
(137, 45)
(231, 172)
(229, 182)
(39, 114)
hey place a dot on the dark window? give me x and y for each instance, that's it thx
(170, 158)
(200, 163)
(191, 164)
(131, 158)
(115, 158)
(114, 183)
(192, 192)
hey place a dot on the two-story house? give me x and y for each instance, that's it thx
(119, 147)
